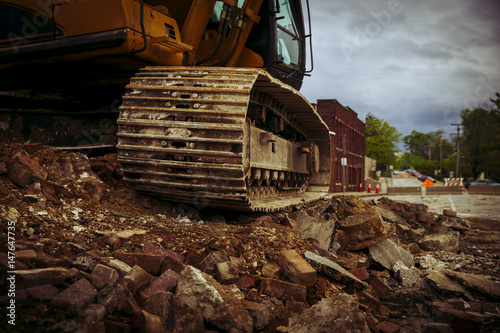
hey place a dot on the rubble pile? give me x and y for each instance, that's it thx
(91, 255)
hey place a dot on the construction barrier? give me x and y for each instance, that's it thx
(432, 190)
(405, 190)
(491, 190)
(453, 181)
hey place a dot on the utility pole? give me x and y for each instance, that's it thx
(429, 146)
(458, 145)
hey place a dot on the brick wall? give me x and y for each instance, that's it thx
(348, 142)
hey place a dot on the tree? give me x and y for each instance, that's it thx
(381, 140)
(480, 145)
(430, 147)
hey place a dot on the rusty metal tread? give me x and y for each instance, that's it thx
(167, 184)
(181, 164)
(180, 124)
(209, 95)
(179, 150)
(194, 111)
(206, 177)
(174, 138)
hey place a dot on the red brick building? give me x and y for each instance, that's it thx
(348, 142)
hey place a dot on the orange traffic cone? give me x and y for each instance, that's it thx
(369, 188)
(360, 187)
(377, 190)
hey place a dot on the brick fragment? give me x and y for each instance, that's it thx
(448, 212)
(3, 168)
(360, 273)
(40, 276)
(137, 279)
(77, 295)
(436, 328)
(102, 275)
(413, 248)
(245, 281)
(161, 304)
(380, 287)
(165, 282)
(31, 164)
(171, 261)
(283, 290)
(151, 263)
(296, 268)
(44, 292)
(19, 175)
(388, 327)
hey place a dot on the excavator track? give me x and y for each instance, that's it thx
(189, 135)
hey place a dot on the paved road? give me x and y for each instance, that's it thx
(482, 206)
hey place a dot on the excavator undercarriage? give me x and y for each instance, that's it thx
(231, 138)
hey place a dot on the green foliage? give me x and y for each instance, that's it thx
(480, 144)
(381, 140)
(426, 151)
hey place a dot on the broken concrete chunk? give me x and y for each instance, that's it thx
(312, 225)
(441, 242)
(442, 283)
(217, 305)
(407, 276)
(477, 282)
(387, 253)
(455, 223)
(364, 230)
(225, 273)
(340, 314)
(78, 295)
(283, 290)
(296, 268)
(333, 270)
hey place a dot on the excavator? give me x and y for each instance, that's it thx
(199, 97)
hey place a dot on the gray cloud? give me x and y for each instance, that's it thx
(414, 64)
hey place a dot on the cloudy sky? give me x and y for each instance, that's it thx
(413, 63)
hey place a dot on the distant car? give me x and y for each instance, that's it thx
(482, 182)
(424, 178)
